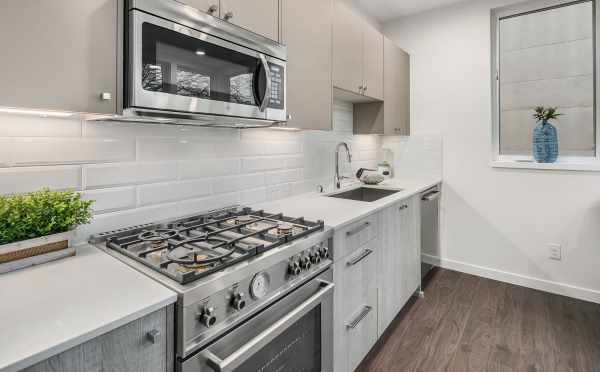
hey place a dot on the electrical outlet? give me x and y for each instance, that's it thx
(555, 252)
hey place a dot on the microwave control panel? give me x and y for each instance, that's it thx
(277, 86)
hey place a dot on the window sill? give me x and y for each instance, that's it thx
(568, 165)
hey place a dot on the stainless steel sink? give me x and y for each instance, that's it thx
(366, 194)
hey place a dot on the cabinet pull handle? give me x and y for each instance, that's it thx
(153, 335)
(363, 314)
(106, 96)
(358, 229)
(361, 257)
(228, 16)
(403, 207)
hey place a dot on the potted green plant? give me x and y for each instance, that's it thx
(38, 227)
(545, 135)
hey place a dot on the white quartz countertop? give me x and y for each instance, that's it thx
(47, 309)
(338, 212)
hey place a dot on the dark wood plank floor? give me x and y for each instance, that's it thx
(467, 323)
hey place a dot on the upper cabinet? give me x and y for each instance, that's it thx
(258, 16)
(59, 55)
(357, 55)
(391, 117)
(309, 81)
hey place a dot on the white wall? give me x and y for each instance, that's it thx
(140, 173)
(495, 222)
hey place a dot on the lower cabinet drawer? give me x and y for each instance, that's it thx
(355, 306)
(352, 237)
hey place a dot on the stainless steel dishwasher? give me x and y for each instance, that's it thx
(430, 237)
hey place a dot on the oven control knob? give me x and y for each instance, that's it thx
(294, 268)
(315, 258)
(207, 317)
(237, 301)
(305, 263)
(324, 252)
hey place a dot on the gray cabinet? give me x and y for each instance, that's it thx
(357, 57)
(309, 80)
(355, 306)
(258, 16)
(399, 267)
(391, 117)
(347, 49)
(59, 55)
(126, 349)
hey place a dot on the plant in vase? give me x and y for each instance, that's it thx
(545, 135)
(38, 227)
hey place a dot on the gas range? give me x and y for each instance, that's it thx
(230, 267)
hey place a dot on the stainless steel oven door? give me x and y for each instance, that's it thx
(294, 334)
(178, 69)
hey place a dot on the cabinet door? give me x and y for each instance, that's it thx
(355, 306)
(309, 81)
(209, 6)
(59, 55)
(126, 349)
(258, 16)
(347, 48)
(373, 62)
(397, 90)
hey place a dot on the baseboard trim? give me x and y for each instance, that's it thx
(517, 279)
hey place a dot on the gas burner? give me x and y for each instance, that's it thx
(284, 228)
(200, 256)
(158, 235)
(243, 219)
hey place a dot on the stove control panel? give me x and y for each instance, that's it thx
(219, 310)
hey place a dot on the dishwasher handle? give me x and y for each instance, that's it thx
(431, 196)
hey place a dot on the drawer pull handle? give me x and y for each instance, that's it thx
(363, 314)
(153, 335)
(358, 229)
(361, 257)
(403, 207)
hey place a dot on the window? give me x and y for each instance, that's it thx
(544, 55)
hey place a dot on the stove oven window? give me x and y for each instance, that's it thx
(298, 349)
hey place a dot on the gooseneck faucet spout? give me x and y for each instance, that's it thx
(337, 178)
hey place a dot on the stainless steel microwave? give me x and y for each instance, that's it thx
(185, 66)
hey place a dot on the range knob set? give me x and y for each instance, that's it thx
(294, 268)
(315, 258)
(324, 252)
(237, 301)
(305, 263)
(207, 317)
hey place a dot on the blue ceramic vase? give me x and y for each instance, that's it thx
(545, 143)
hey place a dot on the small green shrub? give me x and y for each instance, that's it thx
(41, 213)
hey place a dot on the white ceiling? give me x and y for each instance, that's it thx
(387, 10)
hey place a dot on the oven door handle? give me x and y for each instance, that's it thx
(267, 97)
(242, 354)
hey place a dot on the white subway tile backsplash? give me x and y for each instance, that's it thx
(262, 164)
(112, 199)
(26, 179)
(114, 129)
(108, 175)
(6, 151)
(202, 168)
(274, 178)
(253, 196)
(237, 183)
(48, 150)
(31, 126)
(173, 191)
(279, 191)
(196, 206)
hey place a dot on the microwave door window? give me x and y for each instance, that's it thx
(185, 66)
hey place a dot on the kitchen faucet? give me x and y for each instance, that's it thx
(337, 178)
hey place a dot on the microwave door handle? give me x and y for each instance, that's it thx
(233, 361)
(267, 97)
